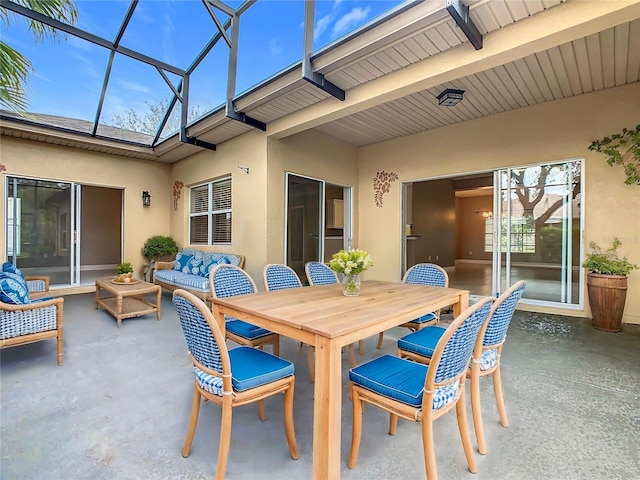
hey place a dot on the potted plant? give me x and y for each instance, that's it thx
(125, 272)
(159, 246)
(622, 149)
(607, 285)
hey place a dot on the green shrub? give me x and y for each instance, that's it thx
(159, 246)
(608, 263)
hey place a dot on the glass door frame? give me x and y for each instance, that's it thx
(498, 285)
(348, 214)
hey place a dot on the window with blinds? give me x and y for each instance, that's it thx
(210, 213)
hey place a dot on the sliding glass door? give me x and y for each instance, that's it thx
(318, 221)
(70, 232)
(537, 225)
(39, 227)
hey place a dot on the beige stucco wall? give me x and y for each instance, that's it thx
(42, 160)
(249, 196)
(310, 154)
(548, 132)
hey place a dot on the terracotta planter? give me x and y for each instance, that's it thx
(607, 295)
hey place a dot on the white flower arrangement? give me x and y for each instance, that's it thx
(353, 262)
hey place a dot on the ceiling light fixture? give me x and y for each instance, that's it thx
(450, 97)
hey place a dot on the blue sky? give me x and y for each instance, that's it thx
(69, 74)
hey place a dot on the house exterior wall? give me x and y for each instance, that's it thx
(248, 196)
(310, 154)
(43, 160)
(552, 131)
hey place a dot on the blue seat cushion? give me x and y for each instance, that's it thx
(250, 368)
(192, 282)
(400, 380)
(422, 342)
(13, 289)
(429, 317)
(166, 276)
(244, 329)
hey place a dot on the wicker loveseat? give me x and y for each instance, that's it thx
(40, 318)
(190, 270)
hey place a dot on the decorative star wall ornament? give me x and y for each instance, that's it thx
(382, 184)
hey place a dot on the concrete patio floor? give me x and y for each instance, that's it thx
(118, 409)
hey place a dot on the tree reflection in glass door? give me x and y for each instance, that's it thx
(538, 235)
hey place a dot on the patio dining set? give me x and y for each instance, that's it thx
(424, 381)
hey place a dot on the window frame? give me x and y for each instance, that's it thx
(211, 211)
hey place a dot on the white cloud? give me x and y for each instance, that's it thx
(274, 47)
(347, 21)
(134, 86)
(321, 26)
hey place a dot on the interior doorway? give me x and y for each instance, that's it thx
(491, 229)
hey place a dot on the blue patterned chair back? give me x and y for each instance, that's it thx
(198, 332)
(320, 274)
(427, 274)
(459, 347)
(280, 277)
(228, 281)
(503, 312)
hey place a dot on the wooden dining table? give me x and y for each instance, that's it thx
(326, 319)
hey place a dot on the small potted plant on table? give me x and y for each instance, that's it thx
(125, 272)
(607, 285)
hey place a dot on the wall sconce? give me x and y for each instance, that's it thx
(146, 199)
(450, 97)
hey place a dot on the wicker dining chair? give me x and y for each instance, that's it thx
(228, 281)
(230, 378)
(319, 273)
(280, 277)
(419, 346)
(422, 393)
(423, 274)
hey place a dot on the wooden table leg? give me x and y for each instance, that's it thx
(327, 410)
(97, 294)
(462, 305)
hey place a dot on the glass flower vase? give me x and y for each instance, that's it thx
(351, 285)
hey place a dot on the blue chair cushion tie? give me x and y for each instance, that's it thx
(489, 359)
(400, 380)
(250, 368)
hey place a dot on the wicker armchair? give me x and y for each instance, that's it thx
(39, 320)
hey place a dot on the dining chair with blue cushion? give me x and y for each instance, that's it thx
(230, 378)
(228, 281)
(319, 273)
(422, 393)
(423, 274)
(280, 277)
(419, 346)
